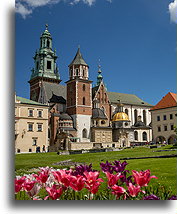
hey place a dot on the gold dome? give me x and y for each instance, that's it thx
(120, 116)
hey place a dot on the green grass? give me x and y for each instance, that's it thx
(163, 168)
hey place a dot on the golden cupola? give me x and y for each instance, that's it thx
(120, 115)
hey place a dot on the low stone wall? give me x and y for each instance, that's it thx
(79, 146)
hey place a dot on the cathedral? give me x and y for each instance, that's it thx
(82, 116)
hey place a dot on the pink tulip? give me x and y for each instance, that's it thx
(142, 178)
(133, 190)
(77, 182)
(92, 181)
(62, 177)
(42, 175)
(112, 179)
(118, 191)
(19, 183)
(54, 192)
(34, 191)
(28, 185)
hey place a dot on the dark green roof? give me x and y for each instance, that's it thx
(126, 99)
(78, 59)
(27, 101)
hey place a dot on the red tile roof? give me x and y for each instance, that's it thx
(169, 100)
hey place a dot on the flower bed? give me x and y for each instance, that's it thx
(83, 183)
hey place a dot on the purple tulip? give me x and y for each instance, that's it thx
(79, 170)
(173, 197)
(151, 197)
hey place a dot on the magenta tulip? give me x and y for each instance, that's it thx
(142, 178)
(54, 192)
(112, 179)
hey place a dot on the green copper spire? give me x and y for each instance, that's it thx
(99, 77)
(45, 58)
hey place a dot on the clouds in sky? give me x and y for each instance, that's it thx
(173, 11)
(26, 7)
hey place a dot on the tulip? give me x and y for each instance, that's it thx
(118, 191)
(133, 190)
(34, 191)
(62, 177)
(42, 175)
(19, 183)
(54, 192)
(112, 179)
(28, 185)
(92, 181)
(142, 178)
(151, 197)
(77, 182)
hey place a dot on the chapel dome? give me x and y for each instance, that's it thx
(65, 116)
(120, 116)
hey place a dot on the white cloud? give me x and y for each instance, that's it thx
(26, 7)
(173, 11)
(24, 11)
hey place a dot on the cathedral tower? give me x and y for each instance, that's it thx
(79, 100)
(45, 68)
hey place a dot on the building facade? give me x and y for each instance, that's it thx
(81, 115)
(164, 119)
(31, 126)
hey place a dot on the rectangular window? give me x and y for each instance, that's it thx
(49, 65)
(158, 118)
(30, 127)
(165, 128)
(39, 127)
(30, 112)
(172, 127)
(164, 117)
(34, 141)
(39, 113)
(159, 129)
(171, 116)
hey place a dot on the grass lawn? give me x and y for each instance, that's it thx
(163, 168)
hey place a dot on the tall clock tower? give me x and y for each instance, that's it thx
(79, 96)
(45, 68)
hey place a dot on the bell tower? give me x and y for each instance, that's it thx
(45, 68)
(79, 96)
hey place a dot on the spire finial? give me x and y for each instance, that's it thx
(46, 26)
(79, 46)
(99, 65)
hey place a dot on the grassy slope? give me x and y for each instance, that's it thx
(163, 168)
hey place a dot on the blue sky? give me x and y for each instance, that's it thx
(135, 41)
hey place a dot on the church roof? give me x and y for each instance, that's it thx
(78, 59)
(57, 99)
(28, 101)
(169, 100)
(126, 99)
(54, 88)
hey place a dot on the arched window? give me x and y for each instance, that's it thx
(144, 136)
(144, 116)
(83, 87)
(84, 133)
(136, 135)
(135, 115)
(126, 111)
(83, 101)
(48, 44)
(83, 72)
